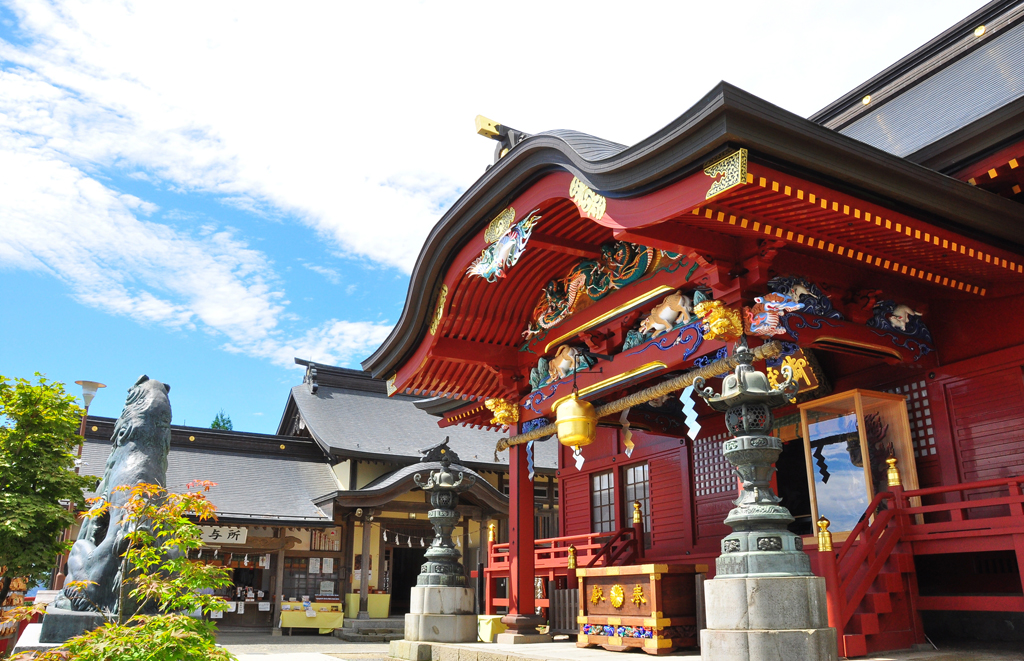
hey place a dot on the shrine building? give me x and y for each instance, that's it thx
(874, 250)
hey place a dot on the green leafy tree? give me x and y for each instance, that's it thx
(38, 449)
(222, 421)
(161, 530)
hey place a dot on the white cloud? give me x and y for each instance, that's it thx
(332, 275)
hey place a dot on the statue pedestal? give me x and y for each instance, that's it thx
(441, 615)
(767, 619)
(59, 624)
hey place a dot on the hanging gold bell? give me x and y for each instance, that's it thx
(577, 422)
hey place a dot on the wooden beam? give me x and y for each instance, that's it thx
(678, 237)
(475, 353)
(565, 246)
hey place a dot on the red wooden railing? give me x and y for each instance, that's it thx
(937, 528)
(551, 559)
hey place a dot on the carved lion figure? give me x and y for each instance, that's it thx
(141, 440)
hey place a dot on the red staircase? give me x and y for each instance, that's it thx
(872, 587)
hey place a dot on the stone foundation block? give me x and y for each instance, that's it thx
(765, 645)
(60, 624)
(512, 638)
(409, 650)
(795, 602)
(422, 627)
(442, 601)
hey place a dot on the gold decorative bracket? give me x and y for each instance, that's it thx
(442, 295)
(587, 201)
(391, 385)
(499, 225)
(733, 171)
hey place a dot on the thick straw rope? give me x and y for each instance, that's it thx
(767, 350)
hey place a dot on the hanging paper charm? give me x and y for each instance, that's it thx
(529, 460)
(578, 456)
(689, 413)
(627, 435)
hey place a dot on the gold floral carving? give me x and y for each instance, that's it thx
(439, 309)
(720, 322)
(597, 595)
(618, 596)
(733, 171)
(391, 385)
(505, 412)
(501, 224)
(638, 595)
(589, 203)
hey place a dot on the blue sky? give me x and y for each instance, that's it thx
(203, 191)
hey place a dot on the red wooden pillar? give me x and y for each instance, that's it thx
(521, 618)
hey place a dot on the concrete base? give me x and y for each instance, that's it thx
(514, 638)
(768, 645)
(767, 619)
(29, 641)
(423, 627)
(60, 624)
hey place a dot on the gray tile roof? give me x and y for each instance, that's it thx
(358, 422)
(249, 485)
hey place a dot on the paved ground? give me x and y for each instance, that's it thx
(262, 647)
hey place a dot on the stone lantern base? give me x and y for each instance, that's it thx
(767, 619)
(441, 615)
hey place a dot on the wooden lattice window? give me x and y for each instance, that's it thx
(602, 502)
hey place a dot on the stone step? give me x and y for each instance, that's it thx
(367, 637)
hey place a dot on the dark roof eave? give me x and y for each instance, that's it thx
(725, 116)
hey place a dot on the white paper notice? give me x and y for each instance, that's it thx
(285, 607)
(326, 587)
(314, 565)
(216, 615)
(311, 613)
(264, 606)
(328, 565)
(241, 607)
(231, 607)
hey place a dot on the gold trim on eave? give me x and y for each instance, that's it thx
(499, 225)
(439, 309)
(614, 312)
(733, 169)
(587, 201)
(601, 385)
(391, 385)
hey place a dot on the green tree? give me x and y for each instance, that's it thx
(160, 528)
(222, 421)
(38, 448)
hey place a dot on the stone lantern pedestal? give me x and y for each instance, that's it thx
(441, 606)
(763, 604)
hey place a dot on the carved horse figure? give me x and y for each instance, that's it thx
(141, 440)
(565, 362)
(667, 314)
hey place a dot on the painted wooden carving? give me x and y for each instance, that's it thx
(902, 318)
(497, 258)
(566, 361)
(718, 321)
(808, 294)
(675, 308)
(763, 318)
(589, 280)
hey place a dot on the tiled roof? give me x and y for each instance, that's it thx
(250, 485)
(359, 422)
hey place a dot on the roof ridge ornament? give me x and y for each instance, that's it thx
(506, 136)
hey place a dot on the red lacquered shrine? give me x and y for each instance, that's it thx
(880, 243)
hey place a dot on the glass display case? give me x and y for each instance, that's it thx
(847, 438)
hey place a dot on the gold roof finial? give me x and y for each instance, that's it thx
(824, 536)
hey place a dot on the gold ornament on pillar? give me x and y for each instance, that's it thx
(492, 532)
(571, 563)
(893, 473)
(638, 515)
(824, 536)
(576, 421)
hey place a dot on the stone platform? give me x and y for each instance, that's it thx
(767, 619)
(441, 615)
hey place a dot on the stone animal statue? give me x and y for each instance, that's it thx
(674, 308)
(141, 440)
(763, 318)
